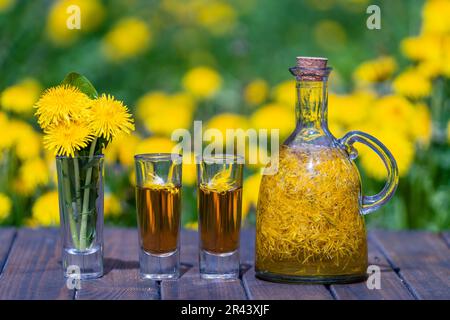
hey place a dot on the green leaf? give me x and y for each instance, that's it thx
(81, 82)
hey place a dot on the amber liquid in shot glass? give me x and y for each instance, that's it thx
(159, 217)
(220, 219)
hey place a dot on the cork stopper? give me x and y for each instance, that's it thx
(312, 68)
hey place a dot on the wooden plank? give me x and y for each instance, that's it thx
(6, 239)
(33, 269)
(392, 287)
(121, 263)
(263, 290)
(190, 285)
(422, 260)
(446, 236)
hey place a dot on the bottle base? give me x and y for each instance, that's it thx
(329, 279)
(83, 265)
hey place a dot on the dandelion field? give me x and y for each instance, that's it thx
(226, 63)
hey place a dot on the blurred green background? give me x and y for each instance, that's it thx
(225, 62)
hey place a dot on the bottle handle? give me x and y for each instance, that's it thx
(372, 203)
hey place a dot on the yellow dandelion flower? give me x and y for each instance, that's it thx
(5, 206)
(349, 110)
(225, 121)
(421, 125)
(423, 47)
(128, 38)
(112, 206)
(376, 70)
(109, 117)
(189, 169)
(91, 17)
(216, 16)
(202, 82)
(33, 173)
(274, 116)
(435, 16)
(400, 146)
(29, 146)
(412, 84)
(67, 138)
(21, 97)
(256, 92)
(45, 211)
(122, 148)
(162, 113)
(250, 196)
(155, 145)
(6, 139)
(285, 93)
(393, 112)
(61, 103)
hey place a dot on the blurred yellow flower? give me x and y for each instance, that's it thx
(393, 112)
(108, 117)
(193, 225)
(274, 116)
(400, 146)
(61, 103)
(250, 195)
(155, 145)
(256, 92)
(29, 146)
(375, 70)
(122, 148)
(412, 84)
(285, 93)
(66, 138)
(218, 17)
(92, 14)
(21, 97)
(6, 4)
(435, 16)
(421, 125)
(32, 174)
(5, 206)
(45, 211)
(423, 47)
(112, 206)
(189, 169)
(330, 35)
(202, 82)
(128, 38)
(349, 110)
(256, 156)
(225, 121)
(162, 113)
(6, 139)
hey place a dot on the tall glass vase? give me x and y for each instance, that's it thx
(80, 190)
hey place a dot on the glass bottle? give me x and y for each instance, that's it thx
(309, 223)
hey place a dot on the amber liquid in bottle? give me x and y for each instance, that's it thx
(219, 219)
(159, 217)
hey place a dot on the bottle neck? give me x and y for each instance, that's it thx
(311, 107)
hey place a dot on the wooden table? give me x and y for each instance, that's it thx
(414, 265)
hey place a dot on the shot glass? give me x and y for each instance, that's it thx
(219, 203)
(158, 203)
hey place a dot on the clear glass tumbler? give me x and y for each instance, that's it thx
(219, 212)
(158, 203)
(80, 193)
